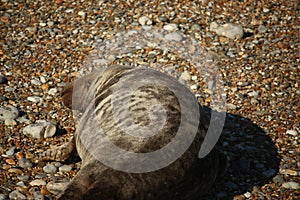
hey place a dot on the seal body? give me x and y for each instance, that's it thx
(129, 110)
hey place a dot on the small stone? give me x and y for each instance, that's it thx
(39, 197)
(16, 195)
(15, 171)
(289, 172)
(81, 13)
(23, 177)
(247, 194)
(35, 82)
(230, 30)
(43, 24)
(170, 27)
(21, 184)
(145, 21)
(291, 185)
(185, 76)
(25, 163)
(40, 130)
(3, 197)
(56, 187)
(2, 98)
(269, 173)
(196, 27)
(37, 182)
(278, 179)
(52, 91)
(194, 87)
(50, 23)
(213, 26)
(10, 161)
(50, 169)
(173, 36)
(65, 168)
(8, 112)
(292, 132)
(10, 122)
(262, 29)
(43, 79)
(239, 197)
(11, 151)
(35, 99)
(2, 79)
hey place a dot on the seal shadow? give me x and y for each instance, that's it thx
(253, 158)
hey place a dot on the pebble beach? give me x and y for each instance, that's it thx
(254, 45)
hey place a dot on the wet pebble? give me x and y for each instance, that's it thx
(278, 179)
(50, 169)
(40, 130)
(269, 173)
(8, 112)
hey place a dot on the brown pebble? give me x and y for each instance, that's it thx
(44, 191)
(29, 156)
(15, 170)
(239, 197)
(10, 161)
(19, 155)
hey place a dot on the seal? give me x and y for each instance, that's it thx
(114, 116)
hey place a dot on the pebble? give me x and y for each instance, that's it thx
(2, 79)
(278, 179)
(247, 194)
(10, 122)
(11, 151)
(40, 130)
(291, 185)
(229, 30)
(37, 182)
(23, 177)
(35, 81)
(170, 27)
(8, 112)
(2, 98)
(185, 76)
(65, 168)
(35, 99)
(16, 194)
(50, 169)
(145, 21)
(52, 91)
(3, 197)
(173, 36)
(56, 187)
(15, 170)
(292, 132)
(196, 27)
(25, 163)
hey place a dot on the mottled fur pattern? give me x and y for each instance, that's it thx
(187, 178)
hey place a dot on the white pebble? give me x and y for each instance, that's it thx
(37, 182)
(292, 132)
(145, 21)
(170, 27)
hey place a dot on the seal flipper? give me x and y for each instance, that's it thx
(60, 153)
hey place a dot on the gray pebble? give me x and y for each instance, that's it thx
(56, 187)
(11, 151)
(278, 179)
(65, 168)
(230, 30)
(163, 19)
(50, 168)
(25, 163)
(185, 76)
(291, 185)
(196, 27)
(170, 27)
(145, 21)
(23, 177)
(2, 98)
(39, 176)
(40, 130)
(39, 197)
(262, 29)
(3, 197)
(16, 195)
(2, 79)
(8, 112)
(173, 36)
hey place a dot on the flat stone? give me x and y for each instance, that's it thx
(50, 169)
(8, 112)
(35, 99)
(37, 182)
(56, 187)
(230, 30)
(16, 195)
(269, 173)
(170, 27)
(25, 163)
(185, 76)
(278, 179)
(40, 130)
(175, 36)
(292, 132)
(65, 168)
(145, 21)
(291, 185)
